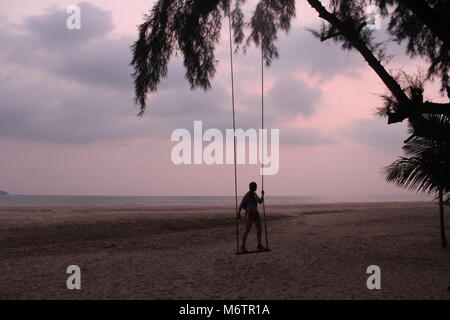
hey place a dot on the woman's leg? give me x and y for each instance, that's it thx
(258, 231)
(248, 227)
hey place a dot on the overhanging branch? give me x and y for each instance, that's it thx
(353, 36)
(405, 108)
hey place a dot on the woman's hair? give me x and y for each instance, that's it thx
(252, 185)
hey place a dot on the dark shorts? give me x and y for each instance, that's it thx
(253, 216)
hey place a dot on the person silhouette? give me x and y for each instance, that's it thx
(250, 204)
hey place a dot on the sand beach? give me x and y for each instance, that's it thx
(319, 251)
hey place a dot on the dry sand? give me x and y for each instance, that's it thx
(318, 252)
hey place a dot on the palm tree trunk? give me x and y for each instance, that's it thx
(441, 217)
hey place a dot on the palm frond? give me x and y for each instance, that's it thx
(426, 164)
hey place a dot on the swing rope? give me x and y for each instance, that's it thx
(264, 138)
(234, 126)
(234, 133)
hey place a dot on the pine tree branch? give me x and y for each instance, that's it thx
(352, 36)
(430, 18)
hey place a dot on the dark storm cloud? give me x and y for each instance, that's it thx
(300, 51)
(376, 133)
(53, 111)
(102, 62)
(54, 114)
(50, 28)
(304, 137)
(290, 97)
(88, 56)
(74, 86)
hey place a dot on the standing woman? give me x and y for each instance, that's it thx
(250, 204)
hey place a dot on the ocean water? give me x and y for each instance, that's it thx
(46, 200)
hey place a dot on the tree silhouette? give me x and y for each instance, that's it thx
(407, 24)
(346, 24)
(422, 24)
(192, 27)
(426, 168)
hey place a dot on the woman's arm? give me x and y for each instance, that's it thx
(244, 200)
(261, 200)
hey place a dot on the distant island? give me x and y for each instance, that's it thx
(4, 193)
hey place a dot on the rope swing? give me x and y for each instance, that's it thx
(234, 138)
(262, 145)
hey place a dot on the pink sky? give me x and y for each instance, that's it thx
(340, 149)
